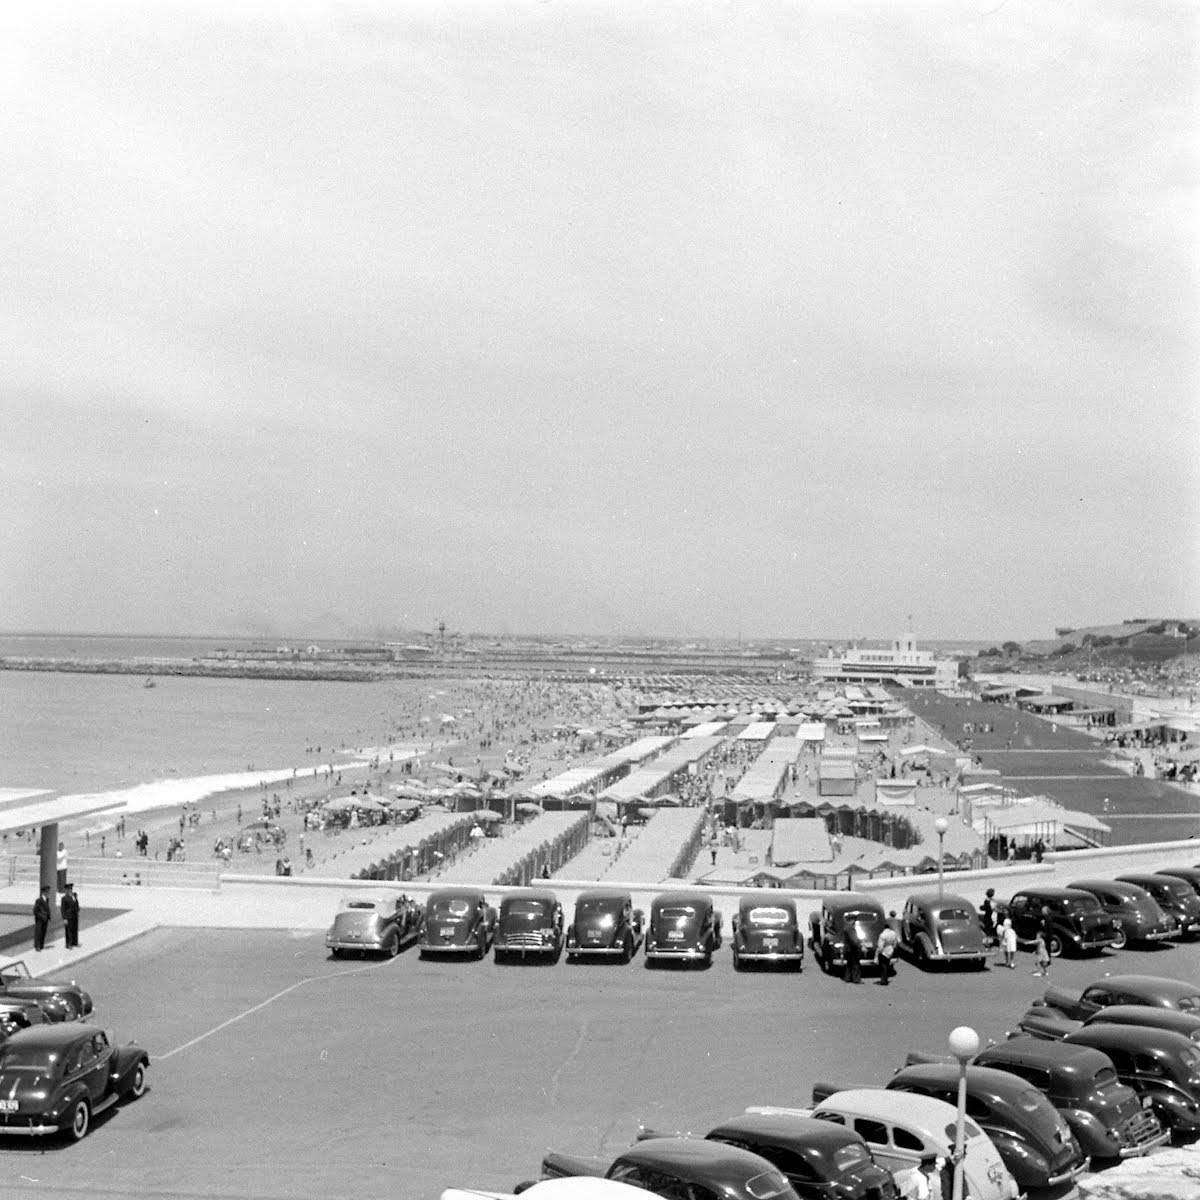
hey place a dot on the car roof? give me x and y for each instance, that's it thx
(530, 894)
(1149, 876)
(1040, 1052)
(698, 898)
(698, 1159)
(605, 894)
(362, 903)
(1120, 886)
(786, 1128)
(55, 1036)
(1055, 893)
(845, 901)
(933, 900)
(922, 1112)
(462, 893)
(1141, 1014)
(1154, 985)
(987, 1080)
(1133, 1037)
(1189, 873)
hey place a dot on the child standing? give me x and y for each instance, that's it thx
(1042, 954)
(1008, 943)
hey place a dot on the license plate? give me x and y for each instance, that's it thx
(9, 1105)
(674, 936)
(447, 931)
(771, 943)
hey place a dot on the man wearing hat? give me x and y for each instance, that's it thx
(69, 907)
(41, 918)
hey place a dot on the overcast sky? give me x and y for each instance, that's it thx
(786, 319)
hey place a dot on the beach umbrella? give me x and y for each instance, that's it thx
(402, 805)
(647, 812)
(488, 815)
(527, 806)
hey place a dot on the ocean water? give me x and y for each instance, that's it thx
(186, 737)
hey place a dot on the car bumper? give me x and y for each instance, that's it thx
(613, 951)
(471, 947)
(959, 956)
(770, 955)
(375, 946)
(29, 1130)
(677, 952)
(1153, 935)
(524, 948)
(1067, 1176)
(1160, 1139)
(1094, 943)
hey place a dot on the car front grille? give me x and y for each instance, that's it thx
(523, 939)
(1140, 1129)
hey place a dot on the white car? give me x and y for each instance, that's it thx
(578, 1187)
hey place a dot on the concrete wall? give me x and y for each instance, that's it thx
(1056, 871)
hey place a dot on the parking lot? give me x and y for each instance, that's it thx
(280, 1073)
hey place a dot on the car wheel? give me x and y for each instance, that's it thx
(137, 1085)
(1120, 938)
(81, 1120)
(627, 950)
(737, 961)
(393, 946)
(1054, 944)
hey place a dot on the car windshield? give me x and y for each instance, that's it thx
(852, 1155)
(863, 923)
(15, 973)
(1083, 904)
(531, 910)
(453, 906)
(769, 916)
(954, 914)
(767, 1185)
(30, 1060)
(1177, 888)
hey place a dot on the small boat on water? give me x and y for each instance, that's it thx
(149, 682)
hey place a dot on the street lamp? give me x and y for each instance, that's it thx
(941, 825)
(964, 1045)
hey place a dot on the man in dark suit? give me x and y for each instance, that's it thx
(70, 915)
(41, 918)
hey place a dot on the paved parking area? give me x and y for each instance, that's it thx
(280, 1073)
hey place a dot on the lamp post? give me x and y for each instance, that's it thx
(964, 1045)
(941, 825)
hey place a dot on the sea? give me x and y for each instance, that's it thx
(185, 738)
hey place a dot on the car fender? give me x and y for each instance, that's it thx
(60, 1110)
(1174, 1107)
(1025, 1164)
(123, 1064)
(1049, 1023)
(1090, 1132)
(925, 945)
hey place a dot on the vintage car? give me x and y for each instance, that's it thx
(675, 1166)
(1074, 920)
(16, 983)
(1138, 915)
(1189, 875)
(1105, 1115)
(766, 931)
(457, 921)
(605, 924)
(1049, 1024)
(1143, 991)
(379, 924)
(827, 929)
(683, 926)
(943, 929)
(1161, 1066)
(903, 1128)
(530, 923)
(1175, 897)
(21, 1014)
(820, 1159)
(57, 1078)
(1034, 1141)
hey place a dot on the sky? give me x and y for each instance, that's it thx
(696, 319)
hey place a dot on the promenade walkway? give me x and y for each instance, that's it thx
(668, 836)
(498, 855)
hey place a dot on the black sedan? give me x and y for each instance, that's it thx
(69, 998)
(57, 1078)
(457, 921)
(767, 931)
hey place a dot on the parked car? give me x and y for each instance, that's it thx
(605, 924)
(457, 921)
(379, 924)
(21, 1014)
(683, 926)
(580, 1188)
(1074, 920)
(1140, 990)
(1043, 1021)
(902, 1128)
(942, 929)
(827, 928)
(820, 1159)
(530, 923)
(57, 1078)
(1138, 915)
(674, 1166)
(1105, 1115)
(766, 931)
(1175, 896)
(1034, 1141)
(16, 983)
(1189, 875)
(1161, 1066)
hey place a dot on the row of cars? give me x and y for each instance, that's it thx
(58, 1071)
(1065, 1090)
(934, 928)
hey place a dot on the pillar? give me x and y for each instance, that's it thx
(48, 858)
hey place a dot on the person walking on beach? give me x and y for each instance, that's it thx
(1008, 943)
(41, 918)
(69, 907)
(1042, 954)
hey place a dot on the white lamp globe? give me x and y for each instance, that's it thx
(964, 1043)
(941, 824)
